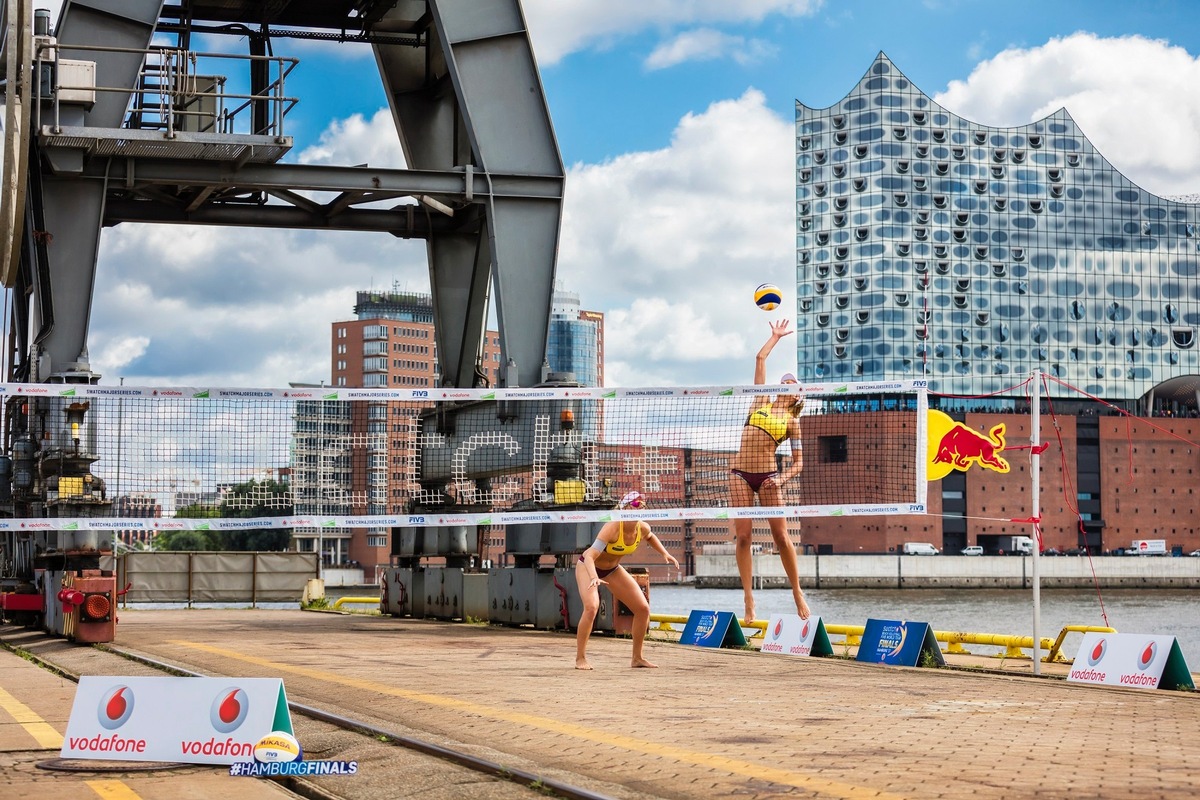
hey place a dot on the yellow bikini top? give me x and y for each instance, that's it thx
(774, 426)
(619, 547)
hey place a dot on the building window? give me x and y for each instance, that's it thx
(832, 449)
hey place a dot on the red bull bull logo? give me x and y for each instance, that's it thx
(953, 445)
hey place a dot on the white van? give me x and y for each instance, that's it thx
(972, 550)
(919, 549)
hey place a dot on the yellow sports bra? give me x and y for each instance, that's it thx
(619, 547)
(774, 426)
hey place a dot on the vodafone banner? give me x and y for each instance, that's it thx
(1138, 661)
(792, 636)
(192, 720)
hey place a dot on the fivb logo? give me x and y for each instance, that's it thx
(116, 706)
(229, 709)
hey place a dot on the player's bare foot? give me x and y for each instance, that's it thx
(581, 663)
(802, 609)
(749, 616)
(643, 663)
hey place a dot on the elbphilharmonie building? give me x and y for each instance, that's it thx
(929, 245)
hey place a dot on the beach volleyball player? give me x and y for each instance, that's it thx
(600, 565)
(754, 472)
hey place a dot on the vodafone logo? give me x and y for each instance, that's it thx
(804, 630)
(778, 629)
(115, 707)
(1147, 656)
(1098, 652)
(229, 709)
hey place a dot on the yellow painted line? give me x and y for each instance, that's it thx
(733, 766)
(34, 725)
(113, 790)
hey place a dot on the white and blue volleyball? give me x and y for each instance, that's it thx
(768, 297)
(278, 747)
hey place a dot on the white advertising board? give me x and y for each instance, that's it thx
(1132, 660)
(790, 635)
(189, 720)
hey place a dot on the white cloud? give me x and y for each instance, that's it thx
(118, 353)
(356, 140)
(560, 27)
(669, 243)
(672, 243)
(1135, 98)
(234, 306)
(707, 44)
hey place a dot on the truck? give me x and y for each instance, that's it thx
(1016, 545)
(1148, 547)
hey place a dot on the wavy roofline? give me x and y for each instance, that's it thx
(882, 57)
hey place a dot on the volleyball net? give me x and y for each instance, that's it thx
(184, 458)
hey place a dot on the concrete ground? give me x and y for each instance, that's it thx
(707, 723)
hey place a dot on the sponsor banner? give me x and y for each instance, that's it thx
(190, 720)
(713, 629)
(343, 393)
(899, 643)
(789, 635)
(245, 394)
(550, 514)
(1132, 660)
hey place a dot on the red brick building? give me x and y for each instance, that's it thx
(1103, 480)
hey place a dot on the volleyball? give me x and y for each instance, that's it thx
(768, 297)
(278, 746)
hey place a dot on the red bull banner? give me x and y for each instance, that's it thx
(953, 445)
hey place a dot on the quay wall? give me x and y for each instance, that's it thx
(956, 572)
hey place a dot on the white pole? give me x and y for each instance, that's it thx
(321, 485)
(1035, 474)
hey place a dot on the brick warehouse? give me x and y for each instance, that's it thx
(1113, 479)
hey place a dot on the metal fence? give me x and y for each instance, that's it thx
(213, 577)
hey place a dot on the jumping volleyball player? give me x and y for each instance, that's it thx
(600, 565)
(754, 472)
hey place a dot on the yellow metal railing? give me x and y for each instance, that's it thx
(1014, 646)
(341, 601)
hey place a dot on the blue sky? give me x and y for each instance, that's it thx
(675, 119)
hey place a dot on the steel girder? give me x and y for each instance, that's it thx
(474, 100)
(471, 115)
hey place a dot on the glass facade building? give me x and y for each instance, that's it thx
(574, 340)
(929, 245)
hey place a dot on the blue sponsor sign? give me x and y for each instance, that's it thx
(713, 629)
(899, 643)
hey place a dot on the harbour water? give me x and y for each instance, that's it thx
(1006, 611)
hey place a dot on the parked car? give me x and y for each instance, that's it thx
(1195, 553)
(919, 549)
(973, 550)
(1052, 551)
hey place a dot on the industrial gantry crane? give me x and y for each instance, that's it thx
(110, 118)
